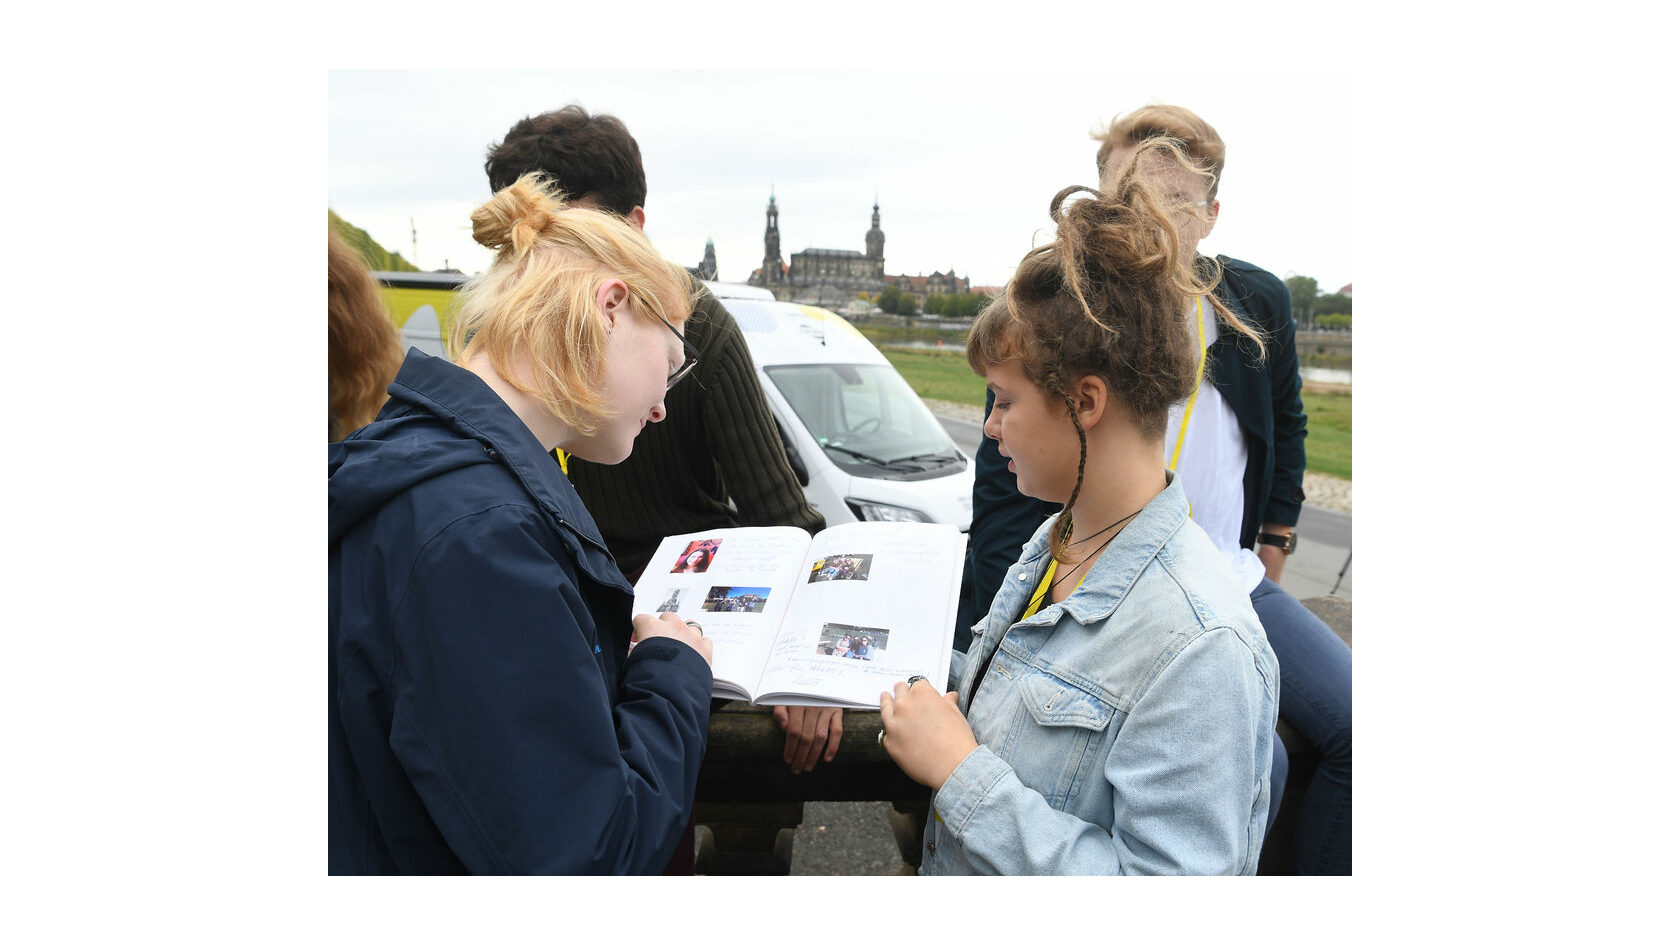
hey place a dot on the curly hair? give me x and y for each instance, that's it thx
(584, 155)
(537, 299)
(1107, 297)
(363, 350)
(1201, 143)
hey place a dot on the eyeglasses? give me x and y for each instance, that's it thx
(691, 357)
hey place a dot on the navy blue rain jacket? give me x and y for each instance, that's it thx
(485, 716)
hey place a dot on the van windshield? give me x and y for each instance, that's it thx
(866, 418)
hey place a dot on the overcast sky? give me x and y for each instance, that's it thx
(964, 163)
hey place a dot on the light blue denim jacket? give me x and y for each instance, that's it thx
(1125, 730)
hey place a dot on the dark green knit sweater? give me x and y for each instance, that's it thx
(718, 442)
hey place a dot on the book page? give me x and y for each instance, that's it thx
(736, 583)
(876, 604)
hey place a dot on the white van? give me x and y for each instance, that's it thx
(862, 442)
(868, 446)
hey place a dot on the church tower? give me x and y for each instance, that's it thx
(772, 271)
(875, 243)
(708, 264)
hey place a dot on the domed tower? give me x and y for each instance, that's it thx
(708, 264)
(875, 243)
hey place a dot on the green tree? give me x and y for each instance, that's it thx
(1303, 290)
(966, 305)
(377, 257)
(1333, 320)
(889, 299)
(937, 303)
(1332, 304)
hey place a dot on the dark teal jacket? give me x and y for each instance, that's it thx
(1265, 396)
(485, 715)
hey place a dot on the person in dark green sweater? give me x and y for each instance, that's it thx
(717, 461)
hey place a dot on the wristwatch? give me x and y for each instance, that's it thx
(1286, 542)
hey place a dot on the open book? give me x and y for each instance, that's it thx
(834, 619)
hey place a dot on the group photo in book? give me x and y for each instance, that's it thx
(854, 643)
(736, 600)
(802, 620)
(841, 568)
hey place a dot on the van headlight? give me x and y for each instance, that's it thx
(876, 512)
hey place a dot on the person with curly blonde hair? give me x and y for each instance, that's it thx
(362, 347)
(487, 713)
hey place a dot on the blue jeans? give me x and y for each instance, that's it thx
(1315, 671)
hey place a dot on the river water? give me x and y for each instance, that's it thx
(1327, 375)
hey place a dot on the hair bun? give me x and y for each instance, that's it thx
(513, 219)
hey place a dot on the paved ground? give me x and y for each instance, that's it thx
(845, 839)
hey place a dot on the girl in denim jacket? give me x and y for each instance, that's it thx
(1114, 714)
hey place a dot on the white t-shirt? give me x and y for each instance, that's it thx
(1211, 464)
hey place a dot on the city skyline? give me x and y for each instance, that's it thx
(963, 164)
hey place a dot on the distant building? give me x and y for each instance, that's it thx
(834, 277)
(940, 283)
(1346, 290)
(708, 265)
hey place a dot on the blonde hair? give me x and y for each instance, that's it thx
(1106, 297)
(363, 351)
(538, 296)
(1200, 141)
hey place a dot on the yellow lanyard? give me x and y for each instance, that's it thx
(561, 456)
(1036, 602)
(1201, 361)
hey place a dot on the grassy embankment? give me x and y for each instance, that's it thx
(944, 375)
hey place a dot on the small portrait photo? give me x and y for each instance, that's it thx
(697, 557)
(673, 600)
(735, 600)
(851, 642)
(840, 568)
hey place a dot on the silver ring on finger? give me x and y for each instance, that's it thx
(696, 627)
(880, 735)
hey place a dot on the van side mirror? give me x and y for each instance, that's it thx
(792, 452)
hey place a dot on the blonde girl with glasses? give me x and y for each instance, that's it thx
(486, 712)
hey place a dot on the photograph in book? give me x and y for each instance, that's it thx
(736, 600)
(854, 643)
(841, 568)
(697, 557)
(796, 619)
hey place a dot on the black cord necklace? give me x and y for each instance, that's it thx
(1104, 529)
(1035, 602)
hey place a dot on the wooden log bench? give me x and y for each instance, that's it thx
(751, 803)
